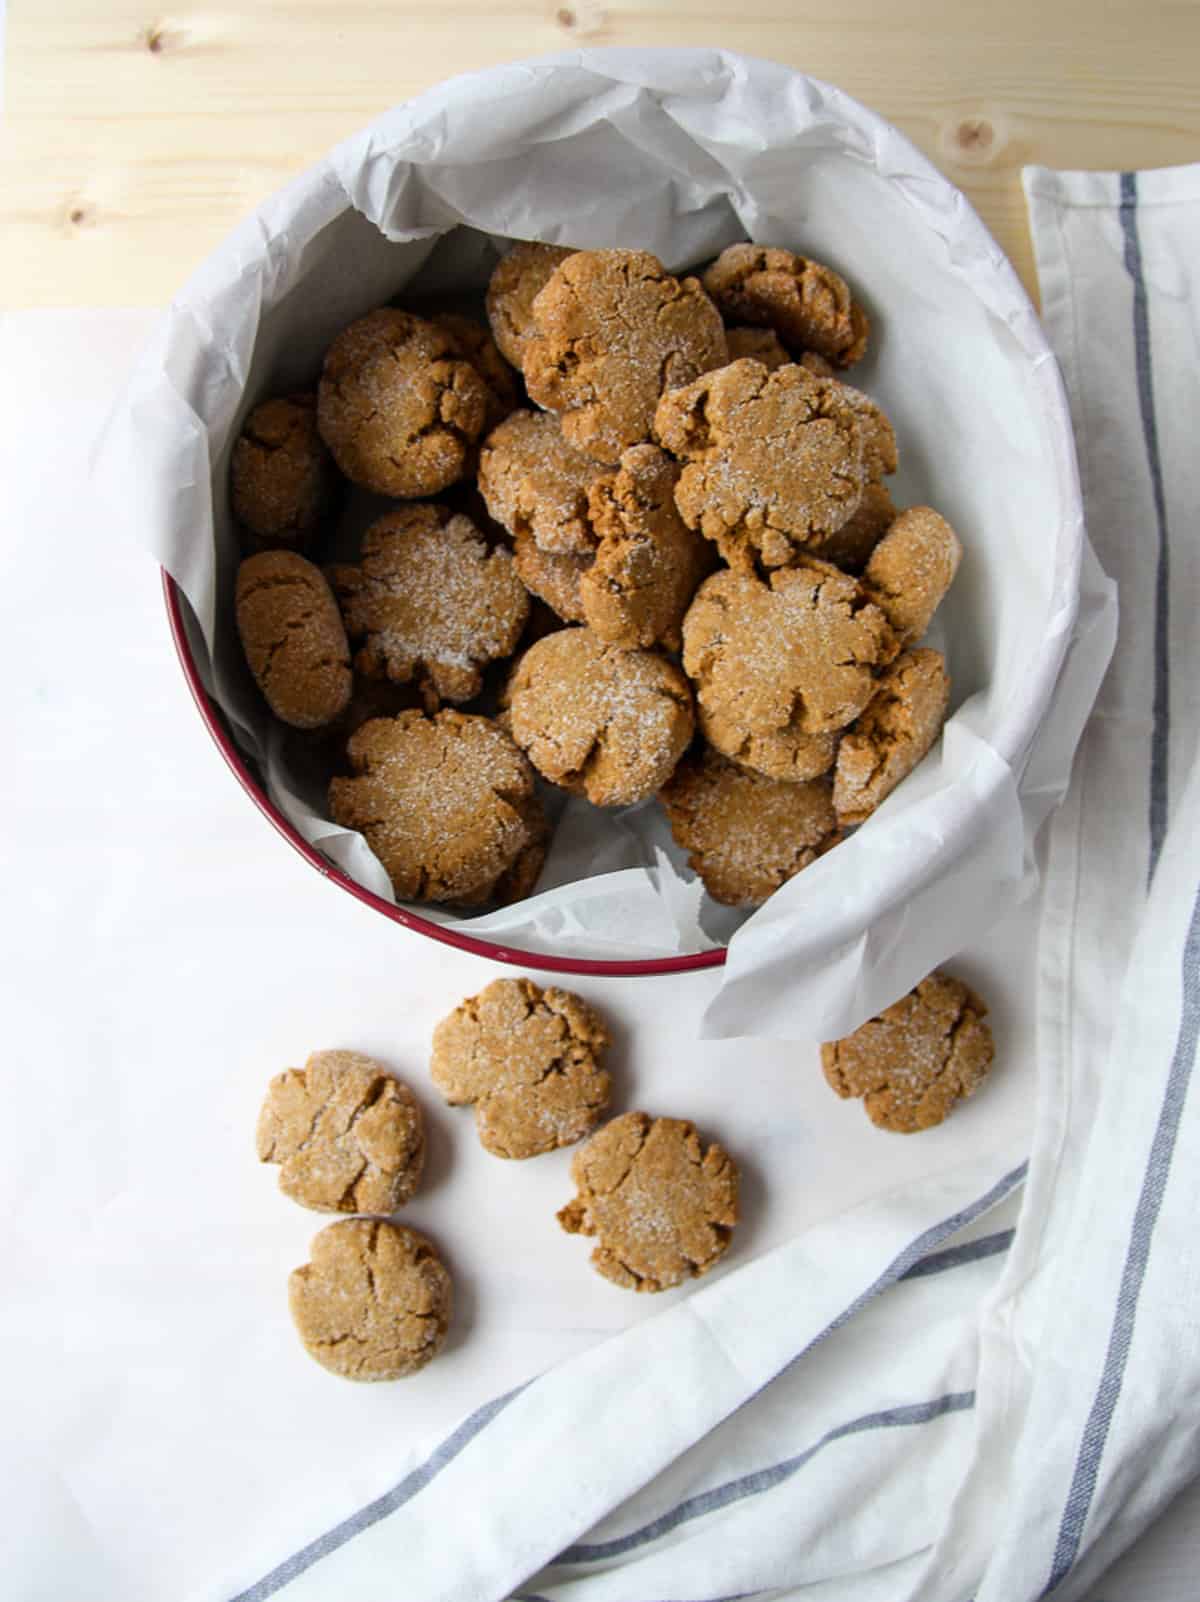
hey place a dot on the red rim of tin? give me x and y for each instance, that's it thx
(215, 724)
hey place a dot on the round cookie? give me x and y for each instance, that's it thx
(602, 722)
(282, 480)
(911, 569)
(759, 345)
(515, 284)
(448, 806)
(920, 1056)
(648, 562)
(292, 634)
(536, 484)
(398, 406)
(556, 580)
(528, 1059)
(374, 1302)
(430, 602)
(614, 330)
(745, 834)
(663, 1208)
(348, 1136)
(775, 461)
(880, 455)
(809, 306)
(472, 343)
(899, 725)
(781, 664)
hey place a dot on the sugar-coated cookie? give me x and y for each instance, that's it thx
(374, 1302)
(911, 569)
(528, 1059)
(662, 1207)
(515, 284)
(808, 305)
(536, 484)
(282, 480)
(292, 634)
(894, 732)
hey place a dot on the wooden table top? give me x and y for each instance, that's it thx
(135, 139)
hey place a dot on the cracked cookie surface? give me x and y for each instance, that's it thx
(448, 806)
(911, 569)
(614, 330)
(554, 579)
(745, 834)
(809, 306)
(774, 460)
(348, 1136)
(473, 343)
(662, 1208)
(781, 664)
(398, 406)
(292, 635)
(896, 730)
(648, 563)
(602, 722)
(528, 1059)
(430, 602)
(515, 284)
(282, 479)
(374, 1302)
(917, 1059)
(535, 484)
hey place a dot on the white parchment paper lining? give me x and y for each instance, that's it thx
(681, 153)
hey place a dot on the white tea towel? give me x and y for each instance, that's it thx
(873, 1411)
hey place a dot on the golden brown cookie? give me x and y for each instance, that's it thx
(759, 345)
(514, 286)
(292, 634)
(605, 723)
(472, 343)
(662, 1207)
(648, 562)
(448, 806)
(375, 1301)
(911, 569)
(430, 602)
(553, 579)
(745, 834)
(348, 1136)
(614, 330)
(918, 1058)
(529, 1060)
(781, 664)
(880, 455)
(816, 365)
(282, 480)
(775, 460)
(536, 484)
(398, 406)
(809, 306)
(851, 546)
(901, 721)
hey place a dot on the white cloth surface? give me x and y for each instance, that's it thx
(1000, 1418)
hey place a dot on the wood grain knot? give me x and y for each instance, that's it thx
(565, 17)
(78, 215)
(158, 38)
(584, 19)
(975, 135)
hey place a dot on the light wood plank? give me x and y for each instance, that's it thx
(134, 140)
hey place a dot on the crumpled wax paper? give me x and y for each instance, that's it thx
(682, 153)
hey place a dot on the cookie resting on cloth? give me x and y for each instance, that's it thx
(528, 1059)
(662, 1208)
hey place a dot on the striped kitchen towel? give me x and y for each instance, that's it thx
(935, 1397)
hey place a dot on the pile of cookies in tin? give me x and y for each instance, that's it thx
(375, 1300)
(639, 545)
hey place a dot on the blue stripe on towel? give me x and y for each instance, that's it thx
(1160, 736)
(955, 1256)
(403, 1492)
(1154, 1184)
